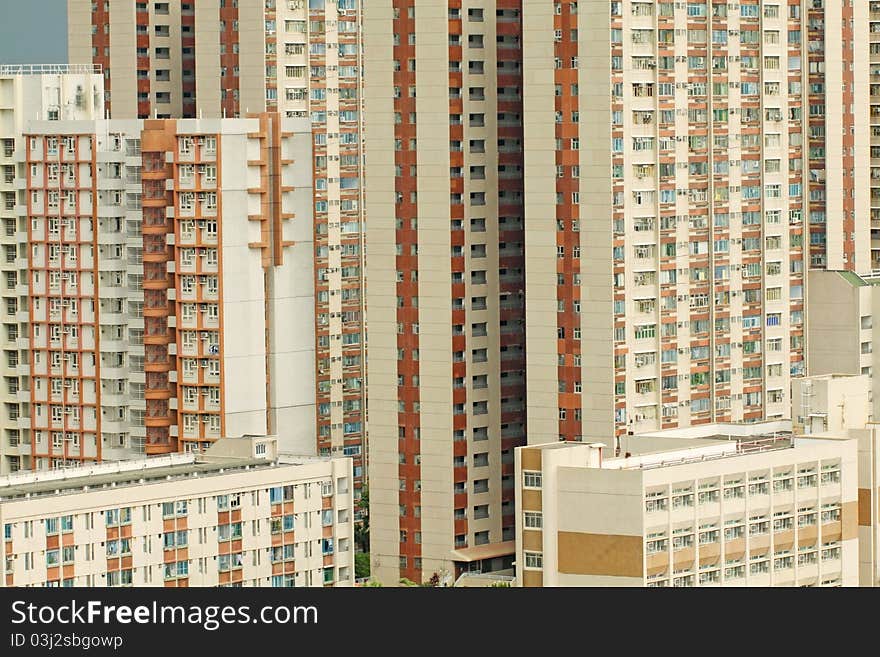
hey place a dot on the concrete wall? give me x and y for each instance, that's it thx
(835, 308)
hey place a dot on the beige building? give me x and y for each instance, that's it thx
(643, 268)
(841, 326)
(831, 403)
(838, 405)
(239, 515)
(873, 145)
(686, 305)
(559, 483)
(146, 250)
(718, 510)
(28, 93)
(446, 292)
(301, 58)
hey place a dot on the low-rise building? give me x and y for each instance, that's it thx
(240, 514)
(763, 508)
(838, 404)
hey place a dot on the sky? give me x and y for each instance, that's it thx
(33, 31)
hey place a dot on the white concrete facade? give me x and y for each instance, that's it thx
(195, 365)
(28, 93)
(702, 512)
(219, 520)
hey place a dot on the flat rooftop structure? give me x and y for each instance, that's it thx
(82, 479)
(49, 69)
(224, 457)
(665, 452)
(721, 428)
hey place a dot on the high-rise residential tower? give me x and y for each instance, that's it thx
(27, 93)
(681, 200)
(446, 294)
(873, 147)
(613, 204)
(302, 58)
(164, 275)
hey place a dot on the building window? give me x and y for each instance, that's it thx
(534, 560)
(533, 519)
(532, 480)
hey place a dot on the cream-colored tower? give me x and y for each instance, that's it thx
(303, 59)
(52, 92)
(446, 295)
(680, 207)
(149, 250)
(658, 164)
(874, 128)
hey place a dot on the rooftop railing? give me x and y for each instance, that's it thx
(55, 69)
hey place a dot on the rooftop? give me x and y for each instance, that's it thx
(855, 280)
(224, 456)
(831, 376)
(53, 69)
(689, 450)
(80, 479)
(487, 551)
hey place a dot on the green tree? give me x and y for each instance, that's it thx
(362, 528)
(362, 565)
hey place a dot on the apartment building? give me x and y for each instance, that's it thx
(225, 58)
(840, 328)
(164, 287)
(717, 510)
(35, 92)
(840, 405)
(694, 290)
(836, 62)
(874, 120)
(446, 293)
(241, 514)
(642, 267)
